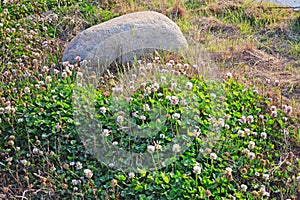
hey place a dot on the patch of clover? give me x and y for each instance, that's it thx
(153, 110)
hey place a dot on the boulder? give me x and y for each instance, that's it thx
(125, 37)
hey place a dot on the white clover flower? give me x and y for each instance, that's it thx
(189, 85)
(146, 107)
(66, 63)
(213, 156)
(228, 170)
(115, 143)
(266, 176)
(131, 175)
(111, 165)
(274, 113)
(74, 182)
(151, 148)
(251, 156)
(247, 131)
(26, 89)
(246, 152)
(56, 71)
(48, 79)
(261, 117)
(173, 85)
(163, 79)
(64, 74)
(250, 119)
(77, 58)
(229, 75)
(35, 150)
(263, 135)
(196, 169)
(178, 65)
(176, 116)
(2, 110)
(176, 148)
(289, 110)
(78, 165)
(244, 187)
(213, 95)
(88, 173)
(273, 108)
(221, 122)
(106, 132)
(243, 119)
(148, 90)
(174, 100)
(45, 69)
(241, 133)
(120, 119)
(135, 114)
(143, 117)
(103, 110)
(185, 65)
(155, 87)
(149, 66)
(251, 145)
(158, 146)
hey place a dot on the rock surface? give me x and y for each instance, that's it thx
(125, 37)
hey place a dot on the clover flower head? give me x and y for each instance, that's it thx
(213, 156)
(151, 149)
(228, 75)
(176, 148)
(196, 169)
(263, 135)
(251, 145)
(189, 85)
(243, 119)
(244, 187)
(146, 107)
(78, 165)
(176, 116)
(131, 175)
(88, 173)
(251, 156)
(106, 132)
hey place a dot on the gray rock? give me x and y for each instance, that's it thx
(125, 37)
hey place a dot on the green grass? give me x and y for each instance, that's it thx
(42, 145)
